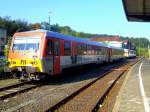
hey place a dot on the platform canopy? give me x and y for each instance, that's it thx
(137, 10)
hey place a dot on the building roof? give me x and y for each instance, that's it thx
(137, 10)
(115, 38)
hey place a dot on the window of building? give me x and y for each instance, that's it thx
(67, 48)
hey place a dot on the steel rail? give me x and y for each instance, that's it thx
(18, 89)
(70, 97)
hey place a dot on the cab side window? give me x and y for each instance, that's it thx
(56, 48)
(49, 47)
(67, 48)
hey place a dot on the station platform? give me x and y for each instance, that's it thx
(134, 95)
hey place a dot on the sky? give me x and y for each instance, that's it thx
(89, 16)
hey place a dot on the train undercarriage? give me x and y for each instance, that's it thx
(27, 73)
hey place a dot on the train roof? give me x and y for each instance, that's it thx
(70, 38)
(52, 34)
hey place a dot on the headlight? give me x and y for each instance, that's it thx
(34, 63)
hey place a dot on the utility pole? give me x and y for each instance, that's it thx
(148, 51)
(49, 21)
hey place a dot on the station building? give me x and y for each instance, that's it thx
(3, 36)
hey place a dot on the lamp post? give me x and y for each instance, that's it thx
(149, 51)
(49, 19)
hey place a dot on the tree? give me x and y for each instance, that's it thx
(13, 26)
(36, 26)
(45, 25)
(6, 50)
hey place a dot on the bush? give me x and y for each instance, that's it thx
(142, 52)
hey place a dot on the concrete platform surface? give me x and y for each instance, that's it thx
(134, 95)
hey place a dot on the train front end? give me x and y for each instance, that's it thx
(24, 55)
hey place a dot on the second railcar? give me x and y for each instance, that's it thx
(128, 53)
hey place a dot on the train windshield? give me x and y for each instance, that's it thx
(26, 43)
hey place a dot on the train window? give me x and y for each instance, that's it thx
(104, 51)
(67, 48)
(99, 50)
(56, 48)
(93, 50)
(79, 49)
(28, 44)
(96, 50)
(89, 49)
(84, 49)
(49, 47)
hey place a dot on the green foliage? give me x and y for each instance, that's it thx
(65, 30)
(138, 42)
(1, 69)
(6, 50)
(142, 52)
(141, 45)
(13, 26)
(68, 31)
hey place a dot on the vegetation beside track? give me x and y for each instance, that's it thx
(1, 70)
(4, 75)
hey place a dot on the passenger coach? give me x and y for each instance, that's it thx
(42, 52)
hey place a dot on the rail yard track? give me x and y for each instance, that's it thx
(12, 90)
(91, 96)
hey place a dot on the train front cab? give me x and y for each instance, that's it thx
(24, 53)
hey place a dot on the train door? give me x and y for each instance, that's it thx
(48, 60)
(56, 56)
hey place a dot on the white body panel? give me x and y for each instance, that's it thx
(66, 61)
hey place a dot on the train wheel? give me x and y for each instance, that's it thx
(16, 75)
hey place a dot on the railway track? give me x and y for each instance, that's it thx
(91, 96)
(18, 88)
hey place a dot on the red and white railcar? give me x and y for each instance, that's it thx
(43, 51)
